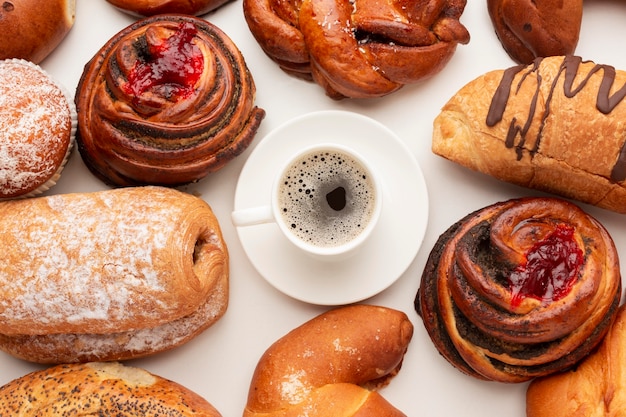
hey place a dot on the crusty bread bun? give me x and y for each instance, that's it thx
(37, 129)
(332, 365)
(154, 7)
(530, 29)
(597, 387)
(108, 275)
(100, 389)
(32, 29)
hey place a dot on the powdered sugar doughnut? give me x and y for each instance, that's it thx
(37, 128)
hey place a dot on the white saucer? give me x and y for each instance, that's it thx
(393, 244)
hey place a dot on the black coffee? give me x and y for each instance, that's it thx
(336, 199)
(327, 198)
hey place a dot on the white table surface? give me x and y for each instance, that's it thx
(219, 363)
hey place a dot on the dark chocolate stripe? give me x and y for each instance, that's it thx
(605, 103)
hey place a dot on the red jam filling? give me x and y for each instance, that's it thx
(173, 66)
(550, 269)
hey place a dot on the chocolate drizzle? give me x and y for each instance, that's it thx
(605, 103)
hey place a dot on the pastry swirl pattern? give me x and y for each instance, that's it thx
(520, 289)
(359, 49)
(166, 101)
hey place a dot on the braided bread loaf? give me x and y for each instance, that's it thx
(360, 49)
(331, 365)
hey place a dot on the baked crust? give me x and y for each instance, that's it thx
(331, 365)
(100, 389)
(154, 7)
(108, 275)
(469, 303)
(32, 29)
(594, 388)
(361, 49)
(554, 125)
(532, 29)
(140, 131)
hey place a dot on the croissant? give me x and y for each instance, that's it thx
(520, 289)
(362, 48)
(332, 365)
(110, 275)
(594, 388)
(165, 101)
(532, 29)
(555, 125)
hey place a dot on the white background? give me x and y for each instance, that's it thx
(219, 363)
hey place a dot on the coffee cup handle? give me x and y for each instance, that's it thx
(252, 216)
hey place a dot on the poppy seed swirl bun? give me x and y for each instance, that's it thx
(166, 101)
(520, 289)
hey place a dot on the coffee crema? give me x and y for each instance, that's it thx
(326, 197)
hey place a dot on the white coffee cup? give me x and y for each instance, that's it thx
(326, 199)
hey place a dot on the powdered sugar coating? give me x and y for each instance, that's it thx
(35, 128)
(109, 261)
(76, 347)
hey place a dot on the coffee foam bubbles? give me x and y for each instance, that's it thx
(303, 191)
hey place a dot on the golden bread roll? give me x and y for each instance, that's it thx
(166, 101)
(100, 389)
(108, 275)
(520, 289)
(332, 365)
(530, 29)
(32, 29)
(595, 388)
(154, 7)
(37, 129)
(358, 49)
(555, 125)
